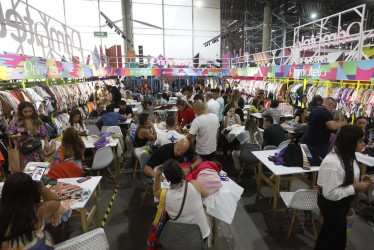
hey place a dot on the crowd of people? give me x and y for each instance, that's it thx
(195, 135)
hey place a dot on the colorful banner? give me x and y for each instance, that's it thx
(23, 67)
(352, 70)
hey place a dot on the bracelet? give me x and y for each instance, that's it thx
(190, 168)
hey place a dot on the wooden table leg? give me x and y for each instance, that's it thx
(96, 211)
(116, 164)
(83, 213)
(259, 179)
(276, 194)
(214, 231)
(314, 180)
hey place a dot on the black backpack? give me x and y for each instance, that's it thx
(293, 156)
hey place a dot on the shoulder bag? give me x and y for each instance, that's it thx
(177, 235)
(30, 146)
(158, 223)
(161, 220)
(14, 159)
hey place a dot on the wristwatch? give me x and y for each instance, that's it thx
(190, 168)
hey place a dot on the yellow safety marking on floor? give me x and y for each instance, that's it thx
(112, 200)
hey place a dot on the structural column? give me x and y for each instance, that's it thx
(266, 27)
(127, 24)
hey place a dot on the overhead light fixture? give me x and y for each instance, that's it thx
(313, 15)
(198, 4)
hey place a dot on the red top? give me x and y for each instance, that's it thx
(146, 86)
(188, 114)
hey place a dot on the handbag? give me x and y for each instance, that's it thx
(158, 223)
(30, 146)
(14, 158)
(161, 220)
(171, 227)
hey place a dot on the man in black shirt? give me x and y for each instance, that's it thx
(125, 110)
(179, 151)
(273, 133)
(321, 123)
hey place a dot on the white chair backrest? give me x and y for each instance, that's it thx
(93, 240)
(143, 159)
(270, 147)
(284, 144)
(93, 129)
(304, 199)
(114, 130)
(103, 157)
(104, 129)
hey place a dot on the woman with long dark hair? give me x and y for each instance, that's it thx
(338, 179)
(27, 127)
(23, 214)
(316, 101)
(76, 121)
(301, 115)
(116, 96)
(231, 118)
(143, 133)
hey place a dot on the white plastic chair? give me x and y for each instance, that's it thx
(93, 240)
(270, 147)
(284, 144)
(93, 129)
(114, 130)
(104, 129)
(102, 159)
(302, 199)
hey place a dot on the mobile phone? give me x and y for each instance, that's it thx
(38, 174)
(24, 133)
(84, 179)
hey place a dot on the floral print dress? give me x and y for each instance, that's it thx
(41, 239)
(38, 134)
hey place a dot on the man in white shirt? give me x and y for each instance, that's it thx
(188, 98)
(212, 105)
(205, 130)
(221, 102)
(171, 135)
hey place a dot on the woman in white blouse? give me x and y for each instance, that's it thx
(192, 211)
(76, 121)
(338, 179)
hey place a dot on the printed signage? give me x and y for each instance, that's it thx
(48, 37)
(162, 62)
(334, 39)
(100, 34)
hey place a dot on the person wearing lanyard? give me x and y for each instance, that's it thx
(338, 179)
(321, 123)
